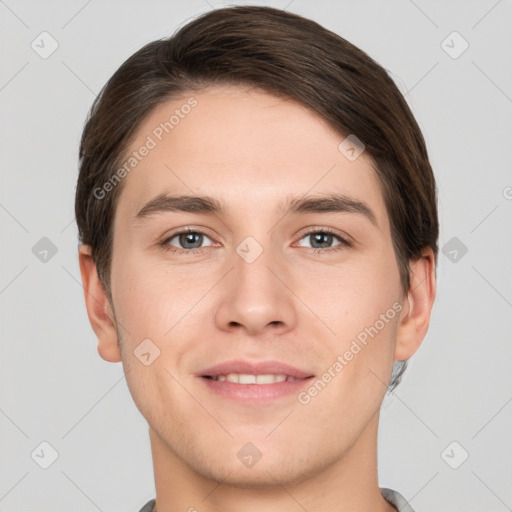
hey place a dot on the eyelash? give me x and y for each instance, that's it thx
(166, 247)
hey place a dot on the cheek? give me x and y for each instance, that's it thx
(350, 297)
(361, 304)
(151, 298)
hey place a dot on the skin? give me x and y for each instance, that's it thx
(254, 150)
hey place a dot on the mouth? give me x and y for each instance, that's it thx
(247, 378)
(254, 383)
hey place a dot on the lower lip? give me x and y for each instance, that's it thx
(255, 393)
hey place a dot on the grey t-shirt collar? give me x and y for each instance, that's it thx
(393, 497)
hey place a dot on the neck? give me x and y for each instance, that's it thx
(349, 484)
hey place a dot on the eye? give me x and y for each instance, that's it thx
(191, 240)
(185, 241)
(323, 239)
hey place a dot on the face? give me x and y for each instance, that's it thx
(277, 281)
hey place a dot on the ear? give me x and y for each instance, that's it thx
(415, 316)
(98, 307)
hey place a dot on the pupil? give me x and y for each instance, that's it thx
(188, 238)
(318, 238)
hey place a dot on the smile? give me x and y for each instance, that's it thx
(244, 378)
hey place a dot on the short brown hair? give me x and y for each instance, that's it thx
(283, 54)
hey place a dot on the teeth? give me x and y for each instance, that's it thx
(269, 379)
(246, 379)
(243, 378)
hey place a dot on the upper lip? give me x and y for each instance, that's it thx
(254, 368)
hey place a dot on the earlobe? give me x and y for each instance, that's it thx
(415, 318)
(99, 310)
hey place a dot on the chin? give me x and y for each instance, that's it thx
(275, 469)
(260, 478)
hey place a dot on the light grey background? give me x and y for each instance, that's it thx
(54, 385)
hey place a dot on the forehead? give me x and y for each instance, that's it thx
(246, 147)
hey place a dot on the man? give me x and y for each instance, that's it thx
(258, 226)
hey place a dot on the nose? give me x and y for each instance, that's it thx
(255, 296)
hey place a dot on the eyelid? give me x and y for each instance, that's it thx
(186, 229)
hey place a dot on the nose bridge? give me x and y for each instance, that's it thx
(255, 282)
(253, 262)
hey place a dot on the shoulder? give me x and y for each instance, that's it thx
(395, 498)
(148, 507)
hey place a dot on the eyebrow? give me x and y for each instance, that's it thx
(331, 203)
